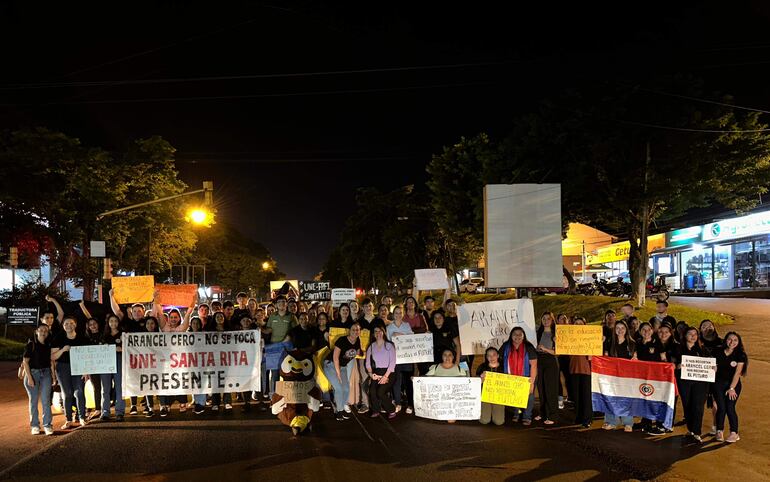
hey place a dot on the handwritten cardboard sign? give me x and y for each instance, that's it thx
(699, 369)
(342, 295)
(579, 340)
(133, 289)
(447, 398)
(295, 392)
(431, 279)
(93, 359)
(176, 295)
(504, 389)
(414, 348)
(489, 323)
(315, 290)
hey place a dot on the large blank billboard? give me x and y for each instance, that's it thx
(522, 235)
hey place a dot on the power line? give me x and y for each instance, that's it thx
(256, 96)
(48, 85)
(706, 101)
(686, 129)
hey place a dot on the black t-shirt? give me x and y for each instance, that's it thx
(39, 354)
(671, 350)
(484, 367)
(337, 323)
(110, 339)
(238, 314)
(348, 351)
(649, 351)
(443, 338)
(727, 364)
(452, 321)
(696, 350)
(134, 326)
(61, 341)
(94, 338)
(302, 339)
(623, 350)
(711, 346)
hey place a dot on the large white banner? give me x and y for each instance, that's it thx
(191, 363)
(93, 360)
(414, 348)
(447, 398)
(489, 323)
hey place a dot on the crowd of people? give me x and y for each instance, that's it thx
(368, 379)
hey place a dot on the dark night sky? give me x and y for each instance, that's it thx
(287, 152)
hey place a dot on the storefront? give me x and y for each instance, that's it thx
(732, 254)
(615, 256)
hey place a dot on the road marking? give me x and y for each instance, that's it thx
(362, 427)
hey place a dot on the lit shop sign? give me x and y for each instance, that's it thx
(743, 226)
(684, 236)
(620, 251)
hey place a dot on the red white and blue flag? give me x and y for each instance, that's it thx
(633, 388)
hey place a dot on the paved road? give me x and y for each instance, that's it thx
(257, 446)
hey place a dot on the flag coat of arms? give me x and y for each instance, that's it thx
(633, 388)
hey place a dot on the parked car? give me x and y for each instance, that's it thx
(472, 285)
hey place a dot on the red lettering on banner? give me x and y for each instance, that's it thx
(244, 359)
(223, 359)
(146, 360)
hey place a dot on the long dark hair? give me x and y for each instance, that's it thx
(107, 331)
(416, 306)
(700, 330)
(524, 342)
(339, 315)
(384, 337)
(630, 345)
(541, 328)
(738, 349)
(491, 348)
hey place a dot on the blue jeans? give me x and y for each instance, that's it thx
(41, 391)
(72, 388)
(615, 421)
(107, 380)
(526, 412)
(269, 377)
(341, 387)
(199, 399)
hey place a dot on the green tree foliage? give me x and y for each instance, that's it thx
(52, 188)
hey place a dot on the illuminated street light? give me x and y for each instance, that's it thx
(265, 266)
(200, 216)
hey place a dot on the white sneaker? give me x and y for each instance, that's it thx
(83, 422)
(35, 430)
(409, 410)
(561, 404)
(48, 430)
(347, 408)
(228, 406)
(68, 425)
(214, 408)
(398, 408)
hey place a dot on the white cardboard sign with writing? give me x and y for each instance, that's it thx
(342, 295)
(414, 348)
(699, 369)
(431, 279)
(93, 360)
(447, 398)
(489, 323)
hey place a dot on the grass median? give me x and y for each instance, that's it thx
(10, 350)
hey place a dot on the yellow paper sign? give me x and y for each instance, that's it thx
(579, 340)
(176, 295)
(364, 337)
(335, 333)
(133, 289)
(503, 389)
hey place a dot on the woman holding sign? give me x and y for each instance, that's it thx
(580, 378)
(692, 392)
(404, 371)
(520, 358)
(71, 385)
(338, 366)
(112, 336)
(449, 367)
(732, 363)
(491, 412)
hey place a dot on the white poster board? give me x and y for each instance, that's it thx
(447, 398)
(489, 323)
(431, 279)
(342, 295)
(522, 235)
(414, 348)
(699, 369)
(93, 359)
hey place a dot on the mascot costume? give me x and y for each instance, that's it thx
(296, 396)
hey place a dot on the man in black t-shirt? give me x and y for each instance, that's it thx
(303, 336)
(240, 311)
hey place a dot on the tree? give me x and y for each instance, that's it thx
(52, 188)
(627, 158)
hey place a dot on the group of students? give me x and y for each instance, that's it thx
(370, 380)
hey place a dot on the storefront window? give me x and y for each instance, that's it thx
(744, 265)
(762, 257)
(697, 269)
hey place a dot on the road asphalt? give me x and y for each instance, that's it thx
(256, 445)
